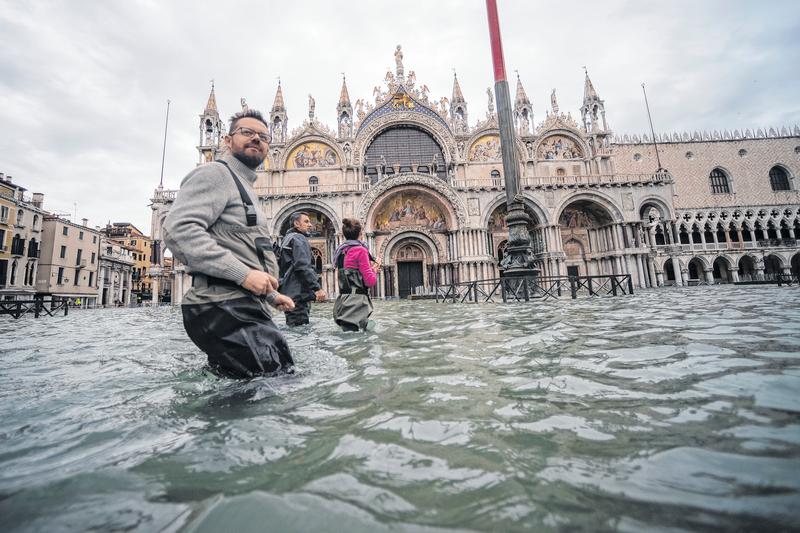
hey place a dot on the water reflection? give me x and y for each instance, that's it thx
(668, 409)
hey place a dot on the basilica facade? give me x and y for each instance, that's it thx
(427, 184)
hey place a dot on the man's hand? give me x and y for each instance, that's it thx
(320, 294)
(260, 283)
(282, 303)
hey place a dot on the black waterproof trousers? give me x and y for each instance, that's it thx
(239, 337)
(299, 315)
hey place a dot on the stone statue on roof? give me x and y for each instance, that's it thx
(398, 59)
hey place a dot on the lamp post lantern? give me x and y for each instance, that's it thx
(519, 255)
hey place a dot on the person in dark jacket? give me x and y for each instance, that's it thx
(298, 279)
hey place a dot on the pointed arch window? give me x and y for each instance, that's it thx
(779, 179)
(313, 184)
(719, 182)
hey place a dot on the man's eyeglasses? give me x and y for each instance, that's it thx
(247, 132)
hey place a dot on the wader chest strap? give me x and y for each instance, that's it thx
(249, 208)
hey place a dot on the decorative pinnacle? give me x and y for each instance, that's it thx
(277, 104)
(211, 105)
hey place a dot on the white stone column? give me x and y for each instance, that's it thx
(676, 268)
(710, 276)
(651, 270)
(640, 271)
(177, 296)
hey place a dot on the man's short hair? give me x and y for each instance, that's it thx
(248, 113)
(294, 217)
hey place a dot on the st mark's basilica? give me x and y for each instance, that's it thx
(427, 184)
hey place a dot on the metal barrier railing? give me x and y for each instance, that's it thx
(528, 288)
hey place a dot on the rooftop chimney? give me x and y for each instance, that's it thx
(37, 200)
(85, 221)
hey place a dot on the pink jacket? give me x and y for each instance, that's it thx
(358, 258)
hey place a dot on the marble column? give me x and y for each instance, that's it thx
(651, 268)
(676, 269)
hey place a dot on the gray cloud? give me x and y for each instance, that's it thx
(83, 85)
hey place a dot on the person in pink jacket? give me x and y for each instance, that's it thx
(356, 273)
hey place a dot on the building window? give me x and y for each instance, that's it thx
(313, 184)
(2, 240)
(78, 257)
(133, 242)
(94, 239)
(80, 235)
(779, 179)
(495, 178)
(60, 275)
(20, 215)
(65, 231)
(77, 279)
(63, 252)
(35, 221)
(91, 278)
(3, 214)
(719, 182)
(94, 256)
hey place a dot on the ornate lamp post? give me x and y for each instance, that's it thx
(519, 258)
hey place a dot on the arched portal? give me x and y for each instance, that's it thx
(747, 268)
(772, 266)
(497, 231)
(322, 236)
(410, 261)
(796, 266)
(696, 269)
(669, 271)
(722, 270)
(410, 207)
(404, 149)
(586, 231)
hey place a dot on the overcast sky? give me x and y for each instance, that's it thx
(84, 85)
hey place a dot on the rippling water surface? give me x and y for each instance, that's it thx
(668, 410)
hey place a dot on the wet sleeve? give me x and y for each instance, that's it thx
(362, 258)
(201, 199)
(303, 269)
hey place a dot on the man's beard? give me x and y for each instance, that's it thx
(250, 161)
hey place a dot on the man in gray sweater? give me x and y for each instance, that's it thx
(216, 230)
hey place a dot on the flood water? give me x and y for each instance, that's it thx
(669, 410)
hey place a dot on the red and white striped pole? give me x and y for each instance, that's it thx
(519, 258)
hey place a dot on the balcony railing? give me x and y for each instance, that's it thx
(736, 245)
(300, 190)
(589, 180)
(165, 195)
(778, 242)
